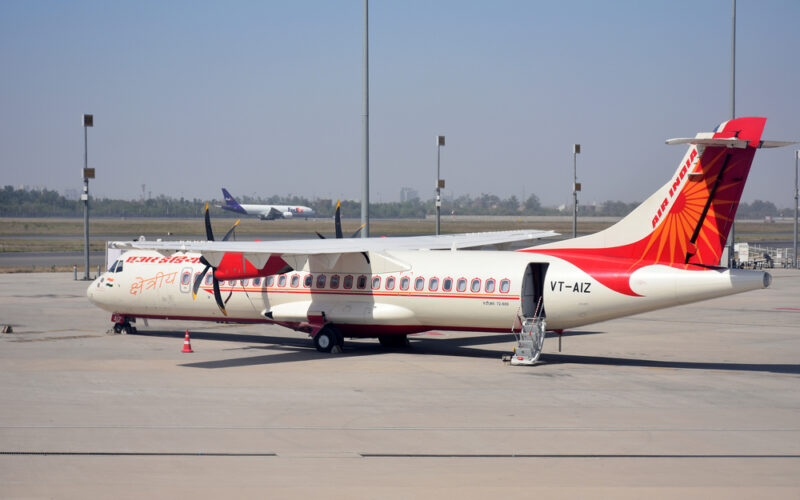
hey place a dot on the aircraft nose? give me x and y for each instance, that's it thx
(93, 292)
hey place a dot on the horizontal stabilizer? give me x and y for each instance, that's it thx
(775, 144)
(727, 143)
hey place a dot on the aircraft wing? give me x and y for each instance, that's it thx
(259, 251)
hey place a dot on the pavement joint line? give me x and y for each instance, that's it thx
(136, 454)
(411, 428)
(45, 339)
(578, 455)
(707, 456)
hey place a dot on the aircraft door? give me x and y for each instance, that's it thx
(533, 290)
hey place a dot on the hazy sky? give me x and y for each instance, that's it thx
(264, 97)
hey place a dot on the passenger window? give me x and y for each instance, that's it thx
(404, 282)
(308, 280)
(295, 281)
(376, 282)
(244, 282)
(505, 286)
(321, 281)
(362, 282)
(433, 284)
(447, 284)
(475, 285)
(282, 280)
(489, 286)
(209, 279)
(270, 280)
(461, 285)
(257, 282)
(348, 281)
(335, 281)
(390, 283)
(186, 278)
(419, 283)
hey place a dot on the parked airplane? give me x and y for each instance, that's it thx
(664, 253)
(265, 212)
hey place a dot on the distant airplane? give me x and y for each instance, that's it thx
(665, 253)
(265, 212)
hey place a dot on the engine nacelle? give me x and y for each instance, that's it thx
(288, 215)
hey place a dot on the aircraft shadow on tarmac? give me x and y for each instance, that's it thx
(302, 350)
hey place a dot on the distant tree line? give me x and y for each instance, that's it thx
(47, 203)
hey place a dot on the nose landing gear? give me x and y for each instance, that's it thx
(122, 324)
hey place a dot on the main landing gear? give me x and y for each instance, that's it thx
(328, 339)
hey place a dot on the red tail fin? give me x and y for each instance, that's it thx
(702, 207)
(685, 222)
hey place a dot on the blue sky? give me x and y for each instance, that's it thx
(265, 97)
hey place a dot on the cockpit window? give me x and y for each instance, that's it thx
(113, 267)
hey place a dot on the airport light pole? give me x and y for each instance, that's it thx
(439, 181)
(796, 157)
(365, 128)
(732, 235)
(576, 149)
(88, 173)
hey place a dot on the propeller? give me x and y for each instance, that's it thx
(337, 222)
(215, 281)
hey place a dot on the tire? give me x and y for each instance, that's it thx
(117, 328)
(325, 339)
(128, 329)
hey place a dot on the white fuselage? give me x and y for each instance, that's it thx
(371, 298)
(286, 211)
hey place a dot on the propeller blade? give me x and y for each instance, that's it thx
(218, 297)
(199, 280)
(231, 230)
(337, 218)
(230, 294)
(358, 230)
(209, 232)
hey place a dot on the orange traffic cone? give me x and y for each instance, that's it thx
(187, 346)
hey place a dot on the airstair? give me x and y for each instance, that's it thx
(530, 338)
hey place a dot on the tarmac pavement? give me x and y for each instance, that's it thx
(697, 401)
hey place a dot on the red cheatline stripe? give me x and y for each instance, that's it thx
(787, 308)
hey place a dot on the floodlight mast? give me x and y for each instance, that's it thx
(88, 121)
(439, 182)
(576, 149)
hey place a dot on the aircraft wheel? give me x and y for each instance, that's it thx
(325, 339)
(128, 329)
(393, 341)
(117, 328)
